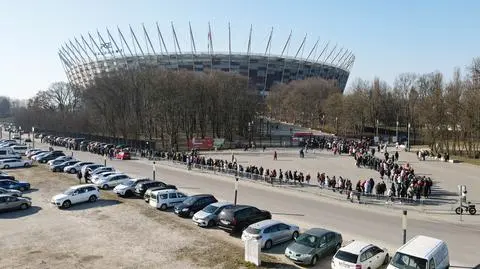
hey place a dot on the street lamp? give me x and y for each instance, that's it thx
(397, 132)
(33, 137)
(20, 132)
(404, 226)
(408, 137)
(153, 170)
(336, 126)
(377, 132)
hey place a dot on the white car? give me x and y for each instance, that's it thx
(102, 170)
(127, 188)
(270, 232)
(103, 175)
(40, 155)
(13, 163)
(112, 181)
(76, 194)
(359, 254)
(72, 169)
(60, 160)
(92, 166)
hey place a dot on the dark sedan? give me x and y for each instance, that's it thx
(50, 156)
(59, 167)
(193, 204)
(15, 185)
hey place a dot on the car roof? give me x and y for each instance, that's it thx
(264, 224)
(9, 159)
(236, 208)
(139, 179)
(201, 195)
(317, 231)
(165, 191)
(356, 247)
(420, 246)
(220, 204)
(82, 185)
(6, 195)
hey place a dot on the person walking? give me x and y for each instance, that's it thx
(275, 155)
(79, 176)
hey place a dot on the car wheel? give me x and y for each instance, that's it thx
(92, 199)
(386, 260)
(105, 187)
(163, 207)
(6, 166)
(66, 204)
(268, 244)
(26, 165)
(211, 223)
(314, 260)
(22, 189)
(72, 171)
(24, 206)
(294, 235)
(55, 170)
(128, 193)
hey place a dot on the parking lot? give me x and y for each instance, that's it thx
(112, 233)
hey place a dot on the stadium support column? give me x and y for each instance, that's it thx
(176, 46)
(302, 46)
(267, 50)
(229, 49)
(326, 59)
(162, 42)
(192, 44)
(248, 55)
(287, 46)
(210, 46)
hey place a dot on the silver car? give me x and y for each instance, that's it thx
(16, 193)
(208, 216)
(270, 232)
(10, 202)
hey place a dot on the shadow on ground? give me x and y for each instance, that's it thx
(97, 204)
(20, 213)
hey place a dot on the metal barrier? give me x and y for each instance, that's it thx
(360, 197)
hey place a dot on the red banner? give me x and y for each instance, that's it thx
(201, 143)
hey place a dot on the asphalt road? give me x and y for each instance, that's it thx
(306, 210)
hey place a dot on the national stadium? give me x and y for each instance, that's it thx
(88, 56)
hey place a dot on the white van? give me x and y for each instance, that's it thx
(164, 199)
(8, 153)
(20, 149)
(421, 252)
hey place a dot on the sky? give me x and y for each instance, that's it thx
(387, 37)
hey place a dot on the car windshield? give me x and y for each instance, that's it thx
(251, 230)
(210, 209)
(190, 201)
(307, 240)
(129, 183)
(404, 261)
(346, 256)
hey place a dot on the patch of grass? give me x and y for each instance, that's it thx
(466, 160)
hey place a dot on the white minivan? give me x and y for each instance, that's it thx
(8, 153)
(421, 252)
(163, 199)
(20, 149)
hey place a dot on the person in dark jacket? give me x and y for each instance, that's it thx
(79, 176)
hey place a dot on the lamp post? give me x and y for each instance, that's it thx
(236, 191)
(376, 132)
(408, 136)
(153, 170)
(396, 132)
(33, 137)
(20, 132)
(105, 159)
(404, 226)
(336, 126)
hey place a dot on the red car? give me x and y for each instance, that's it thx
(123, 155)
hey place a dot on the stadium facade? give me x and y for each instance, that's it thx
(86, 57)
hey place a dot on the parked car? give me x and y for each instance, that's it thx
(148, 192)
(312, 245)
(8, 153)
(127, 188)
(112, 181)
(76, 194)
(92, 167)
(60, 167)
(15, 185)
(20, 149)
(5, 176)
(14, 163)
(123, 155)
(164, 199)
(208, 216)
(10, 202)
(39, 155)
(50, 156)
(60, 159)
(10, 192)
(237, 218)
(101, 176)
(359, 254)
(421, 252)
(33, 152)
(102, 169)
(194, 204)
(141, 188)
(270, 232)
(72, 169)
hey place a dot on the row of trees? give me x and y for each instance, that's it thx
(445, 113)
(148, 104)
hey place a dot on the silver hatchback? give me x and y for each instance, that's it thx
(270, 232)
(10, 202)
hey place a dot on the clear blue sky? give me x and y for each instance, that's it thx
(387, 37)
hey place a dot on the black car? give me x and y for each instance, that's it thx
(193, 204)
(59, 167)
(141, 188)
(238, 218)
(7, 177)
(146, 195)
(50, 156)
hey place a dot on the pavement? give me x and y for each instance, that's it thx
(380, 225)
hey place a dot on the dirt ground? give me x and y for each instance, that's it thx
(111, 233)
